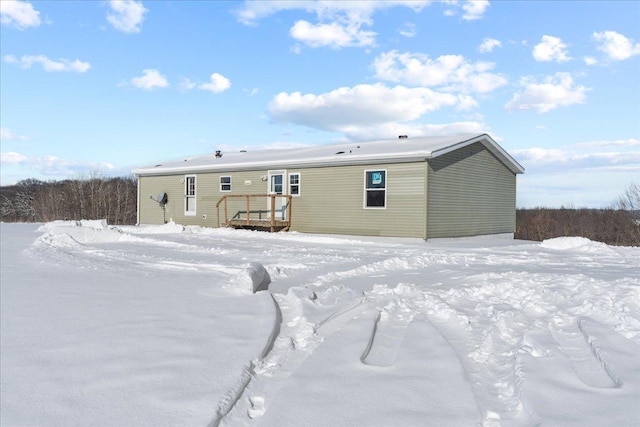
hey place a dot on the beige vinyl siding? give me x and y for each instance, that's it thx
(152, 186)
(248, 182)
(332, 200)
(207, 195)
(470, 192)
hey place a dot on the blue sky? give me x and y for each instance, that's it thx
(108, 86)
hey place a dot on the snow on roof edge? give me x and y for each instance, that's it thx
(370, 152)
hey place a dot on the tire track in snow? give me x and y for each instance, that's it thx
(87, 246)
(585, 357)
(402, 304)
(292, 340)
(230, 400)
(388, 333)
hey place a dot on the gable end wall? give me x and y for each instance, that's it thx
(470, 192)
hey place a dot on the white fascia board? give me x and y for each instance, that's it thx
(314, 163)
(372, 153)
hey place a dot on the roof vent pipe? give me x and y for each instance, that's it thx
(403, 136)
(218, 154)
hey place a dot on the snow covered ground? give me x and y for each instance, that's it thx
(157, 326)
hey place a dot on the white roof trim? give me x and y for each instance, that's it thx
(364, 153)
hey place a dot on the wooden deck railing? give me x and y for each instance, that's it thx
(244, 219)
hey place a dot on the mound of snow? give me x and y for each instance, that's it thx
(97, 224)
(253, 278)
(73, 233)
(574, 243)
(168, 228)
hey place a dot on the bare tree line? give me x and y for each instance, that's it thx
(618, 225)
(611, 226)
(115, 199)
(630, 200)
(31, 200)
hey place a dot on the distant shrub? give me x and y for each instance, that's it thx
(610, 226)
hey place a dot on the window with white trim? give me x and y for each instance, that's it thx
(190, 195)
(375, 189)
(294, 184)
(225, 184)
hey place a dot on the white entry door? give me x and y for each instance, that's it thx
(278, 185)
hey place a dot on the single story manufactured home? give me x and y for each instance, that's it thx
(424, 187)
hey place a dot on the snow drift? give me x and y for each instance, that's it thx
(108, 325)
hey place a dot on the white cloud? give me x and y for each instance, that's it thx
(408, 30)
(150, 79)
(551, 48)
(392, 130)
(12, 158)
(369, 110)
(361, 104)
(465, 102)
(126, 15)
(49, 65)
(328, 11)
(340, 23)
(568, 159)
(253, 11)
(7, 135)
(451, 72)
(474, 9)
(18, 14)
(631, 142)
(562, 175)
(471, 9)
(538, 155)
(218, 83)
(615, 45)
(186, 84)
(54, 166)
(277, 145)
(488, 44)
(334, 35)
(553, 92)
(590, 60)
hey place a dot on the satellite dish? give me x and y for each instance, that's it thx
(161, 198)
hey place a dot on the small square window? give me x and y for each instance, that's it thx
(225, 184)
(294, 184)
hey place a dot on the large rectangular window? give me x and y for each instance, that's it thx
(190, 195)
(375, 189)
(294, 184)
(225, 184)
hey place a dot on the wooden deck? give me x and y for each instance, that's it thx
(259, 224)
(272, 220)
